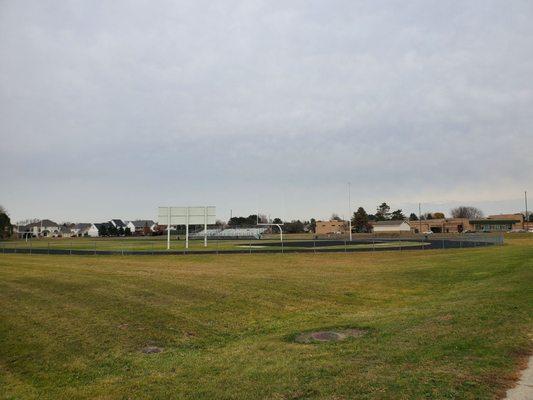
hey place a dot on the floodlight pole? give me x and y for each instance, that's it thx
(527, 219)
(187, 230)
(419, 219)
(168, 230)
(349, 210)
(205, 226)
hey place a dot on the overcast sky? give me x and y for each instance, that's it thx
(110, 109)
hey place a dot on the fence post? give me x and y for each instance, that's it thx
(373, 245)
(443, 243)
(250, 246)
(30, 247)
(94, 248)
(345, 249)
(314, 246)
(400, 243)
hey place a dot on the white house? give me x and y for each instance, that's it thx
(391, 226)
(138, 227)
(93, 230)
(66, 230)
(81, 229)
(44, 228)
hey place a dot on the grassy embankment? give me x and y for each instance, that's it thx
(441, 324)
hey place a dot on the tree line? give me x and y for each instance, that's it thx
(108, 229)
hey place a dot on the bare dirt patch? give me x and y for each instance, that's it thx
(330, 335)
(152, 350)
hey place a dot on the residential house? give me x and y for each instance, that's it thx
(141, 227)
(43, 228)
(81, 229)
(65, 230)
(94, 229)
(118, 223)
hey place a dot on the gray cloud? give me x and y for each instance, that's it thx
(114, 108)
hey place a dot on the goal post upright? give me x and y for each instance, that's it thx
(279, 227)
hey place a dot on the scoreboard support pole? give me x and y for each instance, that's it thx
(179, 216)
(168, 230)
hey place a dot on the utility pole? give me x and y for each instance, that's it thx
(350, 210)
(419, 219)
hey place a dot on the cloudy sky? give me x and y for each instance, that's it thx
(109, 109)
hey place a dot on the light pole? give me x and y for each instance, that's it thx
(419, 219)
(349, 210)
(527, 219)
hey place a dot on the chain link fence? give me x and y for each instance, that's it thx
(268, 244)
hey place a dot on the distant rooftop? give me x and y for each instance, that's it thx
(388, 223)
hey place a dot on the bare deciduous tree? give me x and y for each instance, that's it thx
(467, 212)
(335, 217)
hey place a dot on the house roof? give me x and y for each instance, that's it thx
(141, 223)
(82, 226)
(118, 223)
(490, 221)
(44, 222)
(388, 223)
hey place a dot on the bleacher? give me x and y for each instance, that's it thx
(230, 233)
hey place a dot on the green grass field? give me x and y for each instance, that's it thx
(441, 324)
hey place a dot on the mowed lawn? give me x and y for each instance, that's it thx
(441, 324)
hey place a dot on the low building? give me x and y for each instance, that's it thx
(331, 227)
(390, 226)
(495, 224)
(441, 225)
(518, 218)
